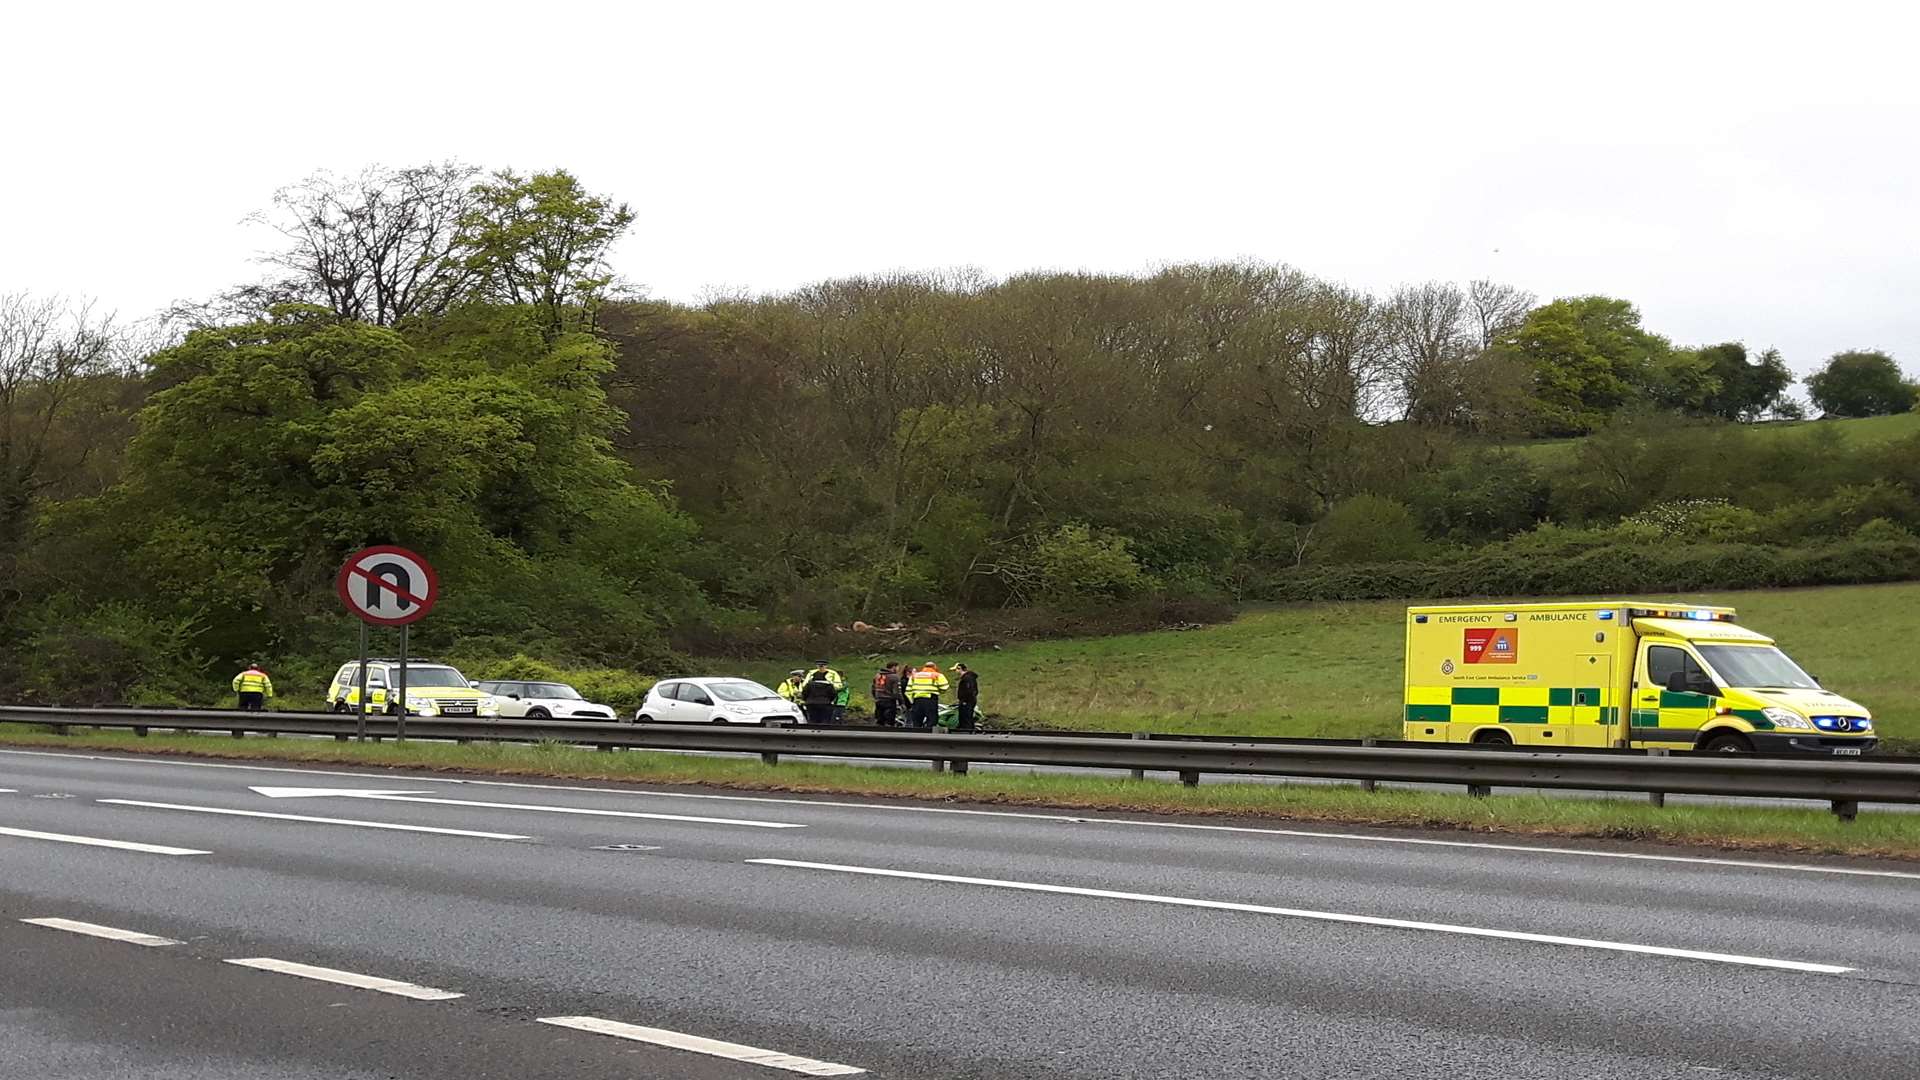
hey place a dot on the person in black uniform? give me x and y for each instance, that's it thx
(967, 695)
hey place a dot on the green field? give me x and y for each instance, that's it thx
(1854, 434)
(1334, 670)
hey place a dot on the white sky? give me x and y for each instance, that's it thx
(1740, 170)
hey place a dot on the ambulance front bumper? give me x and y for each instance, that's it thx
(1784, 742)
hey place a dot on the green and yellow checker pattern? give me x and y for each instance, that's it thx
(1509, 704)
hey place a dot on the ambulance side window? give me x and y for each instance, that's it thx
(1669, 668)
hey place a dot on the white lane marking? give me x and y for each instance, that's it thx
(95, 841)
(1524, 849)
(74, 926)
(753, 1055)
(1323, 916)
(354, 822)
(9, 791)
(348, 978)
(392, 796)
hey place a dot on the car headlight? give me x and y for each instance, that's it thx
(488, 701)
(1787, 718)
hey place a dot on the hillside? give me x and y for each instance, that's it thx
(1333, 670)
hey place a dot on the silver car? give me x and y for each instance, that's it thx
(715, 701)
(542, 701)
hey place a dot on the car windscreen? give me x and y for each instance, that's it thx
(1757, 667)
(552, 690)
(739, 690)
(433, 676)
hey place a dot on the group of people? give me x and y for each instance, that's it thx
(902, 695)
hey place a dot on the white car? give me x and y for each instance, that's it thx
(715, 701)
(542, 701)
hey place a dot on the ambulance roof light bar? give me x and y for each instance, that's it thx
(1695, 614)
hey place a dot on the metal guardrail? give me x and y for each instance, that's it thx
(1845, 783)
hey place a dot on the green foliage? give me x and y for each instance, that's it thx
(1490, 496)
(1743, 388)
(113, 654)
(541, 241)
(1075, 563)
(1589, 357)
(1366, 529)
(1860, 383)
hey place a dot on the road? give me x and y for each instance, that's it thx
(604, 931)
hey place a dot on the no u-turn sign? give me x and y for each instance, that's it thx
(388, 585)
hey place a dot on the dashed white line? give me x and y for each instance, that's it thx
(347, 978)
(74, 926)
(416, 797)
(752, 1055)
(310, 819)
(1323, 916)
(95, 841)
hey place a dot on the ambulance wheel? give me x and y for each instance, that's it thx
(339, 707)
(1493, 738)
(1728, 744)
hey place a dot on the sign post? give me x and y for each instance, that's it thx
(388, 586)
(360, 719)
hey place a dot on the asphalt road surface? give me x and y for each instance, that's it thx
(167, 920)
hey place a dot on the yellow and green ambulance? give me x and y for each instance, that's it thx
(1616, 673)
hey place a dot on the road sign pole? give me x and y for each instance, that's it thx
(400, 726)
(360, 720)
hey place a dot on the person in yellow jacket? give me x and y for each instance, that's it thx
(924, 688)
(790, 689)
(254, 688)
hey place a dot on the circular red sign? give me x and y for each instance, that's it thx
(390, 586)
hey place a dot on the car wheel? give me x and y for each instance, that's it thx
(1493, 738)
(539, 714)
(643, 718)
(1728, 744)
(719, 719)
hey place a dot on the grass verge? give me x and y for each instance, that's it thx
(1883, 835)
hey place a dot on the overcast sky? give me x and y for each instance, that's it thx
(1741, 170)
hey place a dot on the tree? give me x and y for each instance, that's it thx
(1589, 357)
(54, 358)
(378, 247)
(1860, 383)
(542, 241)
(1745, 389)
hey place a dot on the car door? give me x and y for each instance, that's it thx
(340, 690)
(1672, 697)
(661, 703)
(696, 705)
(513, 700)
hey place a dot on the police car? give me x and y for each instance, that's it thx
(432, 690)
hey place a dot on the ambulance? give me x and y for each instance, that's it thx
(1616, 673)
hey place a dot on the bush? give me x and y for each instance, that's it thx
(1075, 562)
(113, 654)
(1367, 529)
(1885, 554)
